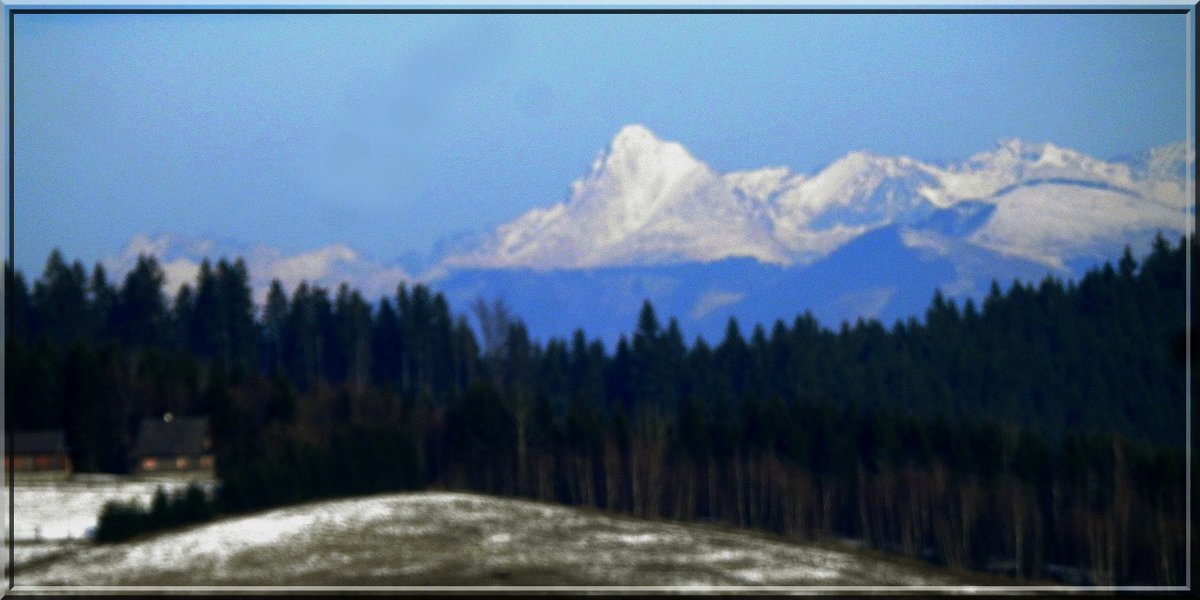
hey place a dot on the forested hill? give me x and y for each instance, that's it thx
(1043, 428)
(1104, 354)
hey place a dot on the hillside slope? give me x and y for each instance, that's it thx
(437, 538)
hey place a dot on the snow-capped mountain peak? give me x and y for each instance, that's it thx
(637, 139)
(639, 174)
(645, 201)
(636, 155)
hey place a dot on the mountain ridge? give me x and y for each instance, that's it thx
(651, 221)
(649, 201)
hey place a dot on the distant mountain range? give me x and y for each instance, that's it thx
(868, 236)
(650, 202)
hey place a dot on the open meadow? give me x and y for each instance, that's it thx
(441, 538)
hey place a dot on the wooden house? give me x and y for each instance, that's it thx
(173, 445)
(39, 452)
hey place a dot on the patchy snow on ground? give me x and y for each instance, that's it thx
(438, 538)
(25, 552)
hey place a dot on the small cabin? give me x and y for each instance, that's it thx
(173, 444)
(39, 452)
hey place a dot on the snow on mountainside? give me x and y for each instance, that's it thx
(868, 236)
(1165, 171)
(648, 201)
(1052, 222)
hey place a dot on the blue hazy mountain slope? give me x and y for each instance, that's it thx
(604, 302)
(874, 276)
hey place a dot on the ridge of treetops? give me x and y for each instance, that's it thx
(1032, 350)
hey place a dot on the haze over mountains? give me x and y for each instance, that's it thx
(868, 235)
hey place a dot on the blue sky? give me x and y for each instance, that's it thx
(390, 132)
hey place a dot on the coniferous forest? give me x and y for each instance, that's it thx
(1041, 429)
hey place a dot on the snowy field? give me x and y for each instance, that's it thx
(433, 539)
(53, 517)
(65, 510)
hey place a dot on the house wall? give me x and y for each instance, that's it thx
(38, 462)
(182, 462)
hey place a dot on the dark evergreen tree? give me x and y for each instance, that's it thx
(387, 347)
(102, 302)
(239, 341)
(20, 322)
(140, 315)
(274, 324)
(82, 405)
(60, 300)
(181, 318)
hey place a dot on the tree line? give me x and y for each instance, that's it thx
(1031, 430)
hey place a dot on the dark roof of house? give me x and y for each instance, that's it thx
(182, 435)
(39, 442)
